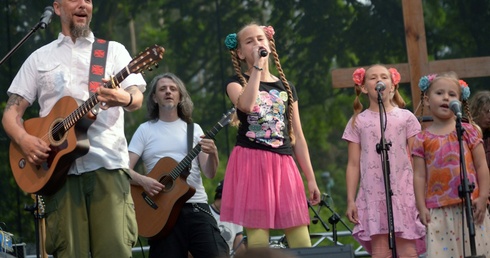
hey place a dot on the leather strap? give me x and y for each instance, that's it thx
(190, 141)
(97, 68)
(97, 64)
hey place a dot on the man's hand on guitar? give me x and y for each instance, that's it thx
(35, 150)
(151, 185)
(208, 146)
(112, 97)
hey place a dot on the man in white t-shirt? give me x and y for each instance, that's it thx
(165, 135)
(232, 233)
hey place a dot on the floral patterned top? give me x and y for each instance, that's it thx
(441, 154)
(266, 127)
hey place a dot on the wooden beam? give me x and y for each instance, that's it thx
(413, 18)
(465, 68)
(342, 78)
(418, 63)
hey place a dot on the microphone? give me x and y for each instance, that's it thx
(380, 86)
(455, 106)
(46, 17)
(263, 52)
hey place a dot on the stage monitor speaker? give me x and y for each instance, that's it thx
(19, 250)
(338, 251)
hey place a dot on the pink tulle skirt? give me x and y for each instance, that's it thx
(264, 190)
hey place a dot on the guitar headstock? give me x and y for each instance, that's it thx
(40, 207)
(149, 57)
(227, 117)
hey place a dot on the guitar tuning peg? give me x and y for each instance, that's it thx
(150, 69)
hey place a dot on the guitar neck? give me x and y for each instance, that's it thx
(181, 167)
(92, 101)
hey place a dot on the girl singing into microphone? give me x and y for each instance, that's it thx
(263, 187)
(436, 158)
(364, 173)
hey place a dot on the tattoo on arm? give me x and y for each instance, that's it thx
(14, 99)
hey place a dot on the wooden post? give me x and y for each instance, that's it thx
(418, 62)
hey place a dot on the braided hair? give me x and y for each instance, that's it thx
(237, 66)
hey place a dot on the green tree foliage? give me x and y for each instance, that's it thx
(312, 38)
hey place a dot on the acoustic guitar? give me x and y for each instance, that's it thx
(156, 215)
(66, 133)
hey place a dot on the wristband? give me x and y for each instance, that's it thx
(258, 68)
(130, 100)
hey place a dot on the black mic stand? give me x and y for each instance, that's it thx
(333, 220)
(40, 24)
(317, 216)
(382, 148)
(465, 189)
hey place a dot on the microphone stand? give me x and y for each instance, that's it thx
(333, 220)
(465, 189)
(40, 24)
(317, 216)
(382, 148)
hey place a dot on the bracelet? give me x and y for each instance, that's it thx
(258, 68)
(130, 100)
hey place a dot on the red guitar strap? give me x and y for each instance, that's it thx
(97, 67)
(97, 64)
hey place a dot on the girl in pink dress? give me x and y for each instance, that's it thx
(364, 173)
(263, 187)
(436, 156)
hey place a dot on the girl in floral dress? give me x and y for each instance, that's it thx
(436, 154)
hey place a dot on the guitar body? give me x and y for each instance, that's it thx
(157, 215)
(64, 129)
(65, 148)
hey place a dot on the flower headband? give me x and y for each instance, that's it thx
(232, 43)
(269, 31)
(359, 73)
(426, 80)
(465, 90)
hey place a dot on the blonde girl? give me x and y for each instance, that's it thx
(263, 187)
(437, 175)
(364, 173)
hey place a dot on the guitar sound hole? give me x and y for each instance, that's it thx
(58, 132)
(168, 182)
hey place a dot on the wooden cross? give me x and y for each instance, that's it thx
(418, 63)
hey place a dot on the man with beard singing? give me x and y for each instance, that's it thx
(91, 214)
